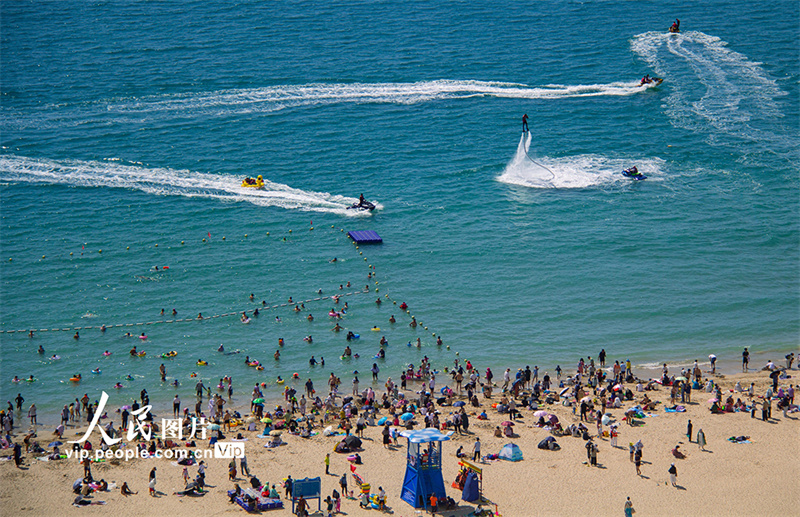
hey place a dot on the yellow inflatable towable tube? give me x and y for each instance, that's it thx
(253, 183)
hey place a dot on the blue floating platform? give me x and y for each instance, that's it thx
(365, 237)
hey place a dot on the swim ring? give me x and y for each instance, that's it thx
(259, 367)
(280, 381)
(96, 370)
(106, 353)
(202, 363)
(75, 379)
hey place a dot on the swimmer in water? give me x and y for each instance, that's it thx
(252, 297)
(221, 348)
(280, 341)
(277, 354)
(334, 259)
(310, 317)
(337, 328)
(41, 349)
(129, 377)
(277, 319)
(77, 335)
(174, 312)
(127, 334)
(176, 383)
(392, 320)
(31, 379)
(30, 334)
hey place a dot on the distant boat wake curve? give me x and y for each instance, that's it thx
(276, 98)
(169, 182)
(713, 89)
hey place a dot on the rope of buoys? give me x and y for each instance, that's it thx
(103, 251)
(225, 315)
(407, 311)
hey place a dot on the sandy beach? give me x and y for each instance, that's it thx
(754, 478)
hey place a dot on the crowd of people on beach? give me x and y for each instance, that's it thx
(426, 397)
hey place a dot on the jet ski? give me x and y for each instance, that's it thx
(363, 205)
(655, 81)
(634, 174)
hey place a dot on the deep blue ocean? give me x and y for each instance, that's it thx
(128, 127)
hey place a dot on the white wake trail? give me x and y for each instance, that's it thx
(170, 182)
(734, 93)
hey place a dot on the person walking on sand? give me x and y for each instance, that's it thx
(673, 475)
(629, 511)
(153, 482)
(637, 459)
(327, 463)
(434, 501)
(701, 439)
(745, 359)
(476, 454)
(689, 430)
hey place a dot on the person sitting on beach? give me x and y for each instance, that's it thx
(126, 491)
(677, 453)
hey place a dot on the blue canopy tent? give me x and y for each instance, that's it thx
(423, 466)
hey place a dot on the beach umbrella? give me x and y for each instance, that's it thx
(406, 416)
(280, 423)
(553, 419)
(258, 401)
(250, 419)
(460, 403)
(266, 420)
(541, 414)
(214, 427)
(681, 378)
(617, 387)
(586, 399)
(606, 419)
(713, 400)
(382, 421)
(126, 406)
(275, 433)
(54, 444)
(561, 394)
(507, 423)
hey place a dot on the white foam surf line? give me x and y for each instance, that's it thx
(735, 90)
(170, 182)
(581, 171)
(276, 98)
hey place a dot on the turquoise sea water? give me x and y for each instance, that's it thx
(125, 126)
